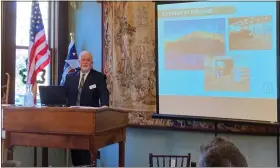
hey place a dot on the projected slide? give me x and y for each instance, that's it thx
(218, 59)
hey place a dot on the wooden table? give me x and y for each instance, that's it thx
(65, 127)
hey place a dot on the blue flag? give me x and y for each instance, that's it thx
(71, 62)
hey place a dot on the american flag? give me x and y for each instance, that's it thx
(71, 61)
(39, 56)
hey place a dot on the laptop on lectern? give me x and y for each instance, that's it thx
(53, 96)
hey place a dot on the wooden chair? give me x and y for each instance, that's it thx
(5, 90)
(170, 160)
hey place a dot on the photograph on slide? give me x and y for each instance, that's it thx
(187, 42)
(250, 33)
(224, 73)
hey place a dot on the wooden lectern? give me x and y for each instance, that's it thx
(65, 127)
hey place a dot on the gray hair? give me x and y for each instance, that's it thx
(85, 52)
(221, 153)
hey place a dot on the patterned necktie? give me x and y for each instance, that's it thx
(80, 90)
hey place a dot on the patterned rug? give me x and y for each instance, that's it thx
(129, 63)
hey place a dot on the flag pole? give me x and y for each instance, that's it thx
(34, 91)
(72, 39)
(72, 36)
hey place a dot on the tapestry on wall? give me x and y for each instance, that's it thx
(129, 63)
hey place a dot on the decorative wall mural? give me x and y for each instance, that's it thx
(129, 56)
(129, 63)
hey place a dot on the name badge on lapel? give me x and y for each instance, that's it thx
(92, 86)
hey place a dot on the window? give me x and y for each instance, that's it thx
(23, 13)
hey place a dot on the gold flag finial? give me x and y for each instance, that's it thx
(72, 36)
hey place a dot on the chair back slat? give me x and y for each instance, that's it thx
(179, 160)
(157, 162)
(182, 163)
(169, 161)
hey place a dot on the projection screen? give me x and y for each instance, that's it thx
(217, 59)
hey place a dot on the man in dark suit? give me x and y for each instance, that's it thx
(86, 87)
